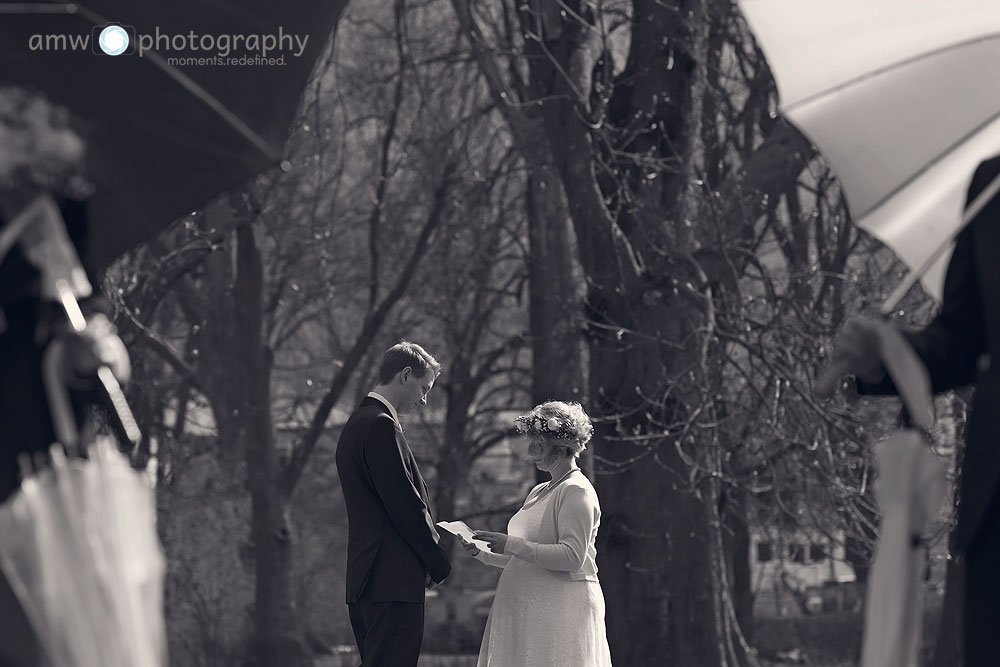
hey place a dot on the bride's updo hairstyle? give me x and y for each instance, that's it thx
(563, 424)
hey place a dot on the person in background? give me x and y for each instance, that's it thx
(40, 154)
(961, 347)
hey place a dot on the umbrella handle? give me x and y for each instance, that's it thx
(907, 371)
(124, 421)
(909, 374)
(61, 409)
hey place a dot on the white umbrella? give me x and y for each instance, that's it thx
(903, 99)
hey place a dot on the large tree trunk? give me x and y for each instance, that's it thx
(277, 639)
(655, 545)
(739, 552)
(453, 457)
(555, 295)
(654, 549)
(238, 383)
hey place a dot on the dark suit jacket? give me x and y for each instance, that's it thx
(392, 541)
(953, 347)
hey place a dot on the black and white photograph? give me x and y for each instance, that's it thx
(500, 333)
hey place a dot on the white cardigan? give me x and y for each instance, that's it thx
(567, 536)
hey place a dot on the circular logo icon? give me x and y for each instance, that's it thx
(114, 40)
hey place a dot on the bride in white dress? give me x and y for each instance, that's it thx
(549, 606)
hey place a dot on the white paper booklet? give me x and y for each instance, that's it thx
(460, 529)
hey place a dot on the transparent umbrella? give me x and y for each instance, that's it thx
(80, 551)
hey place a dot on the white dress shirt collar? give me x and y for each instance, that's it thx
(385, 401)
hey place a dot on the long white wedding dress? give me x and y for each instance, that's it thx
(541, 619)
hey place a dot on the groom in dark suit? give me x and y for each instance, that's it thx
(392, 549)
(961, 347)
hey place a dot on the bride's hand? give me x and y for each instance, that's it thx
(495, 541)
(469, 546)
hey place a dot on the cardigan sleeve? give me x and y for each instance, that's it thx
(575, 519)
(501, 560)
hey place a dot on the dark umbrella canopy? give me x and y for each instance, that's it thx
(166, 135)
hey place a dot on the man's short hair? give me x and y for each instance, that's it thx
(403, 354)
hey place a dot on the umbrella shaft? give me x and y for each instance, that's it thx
(71, 306)
(913, 276)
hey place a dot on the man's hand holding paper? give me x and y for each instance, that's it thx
(462, 531)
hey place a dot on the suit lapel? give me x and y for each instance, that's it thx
(409, 461)
(411, 464)
(422, 486)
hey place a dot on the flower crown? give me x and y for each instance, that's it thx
(552, 427)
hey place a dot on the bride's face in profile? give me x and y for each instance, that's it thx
(542, 453)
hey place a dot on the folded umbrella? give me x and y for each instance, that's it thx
(910, 490)
(79, 549)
